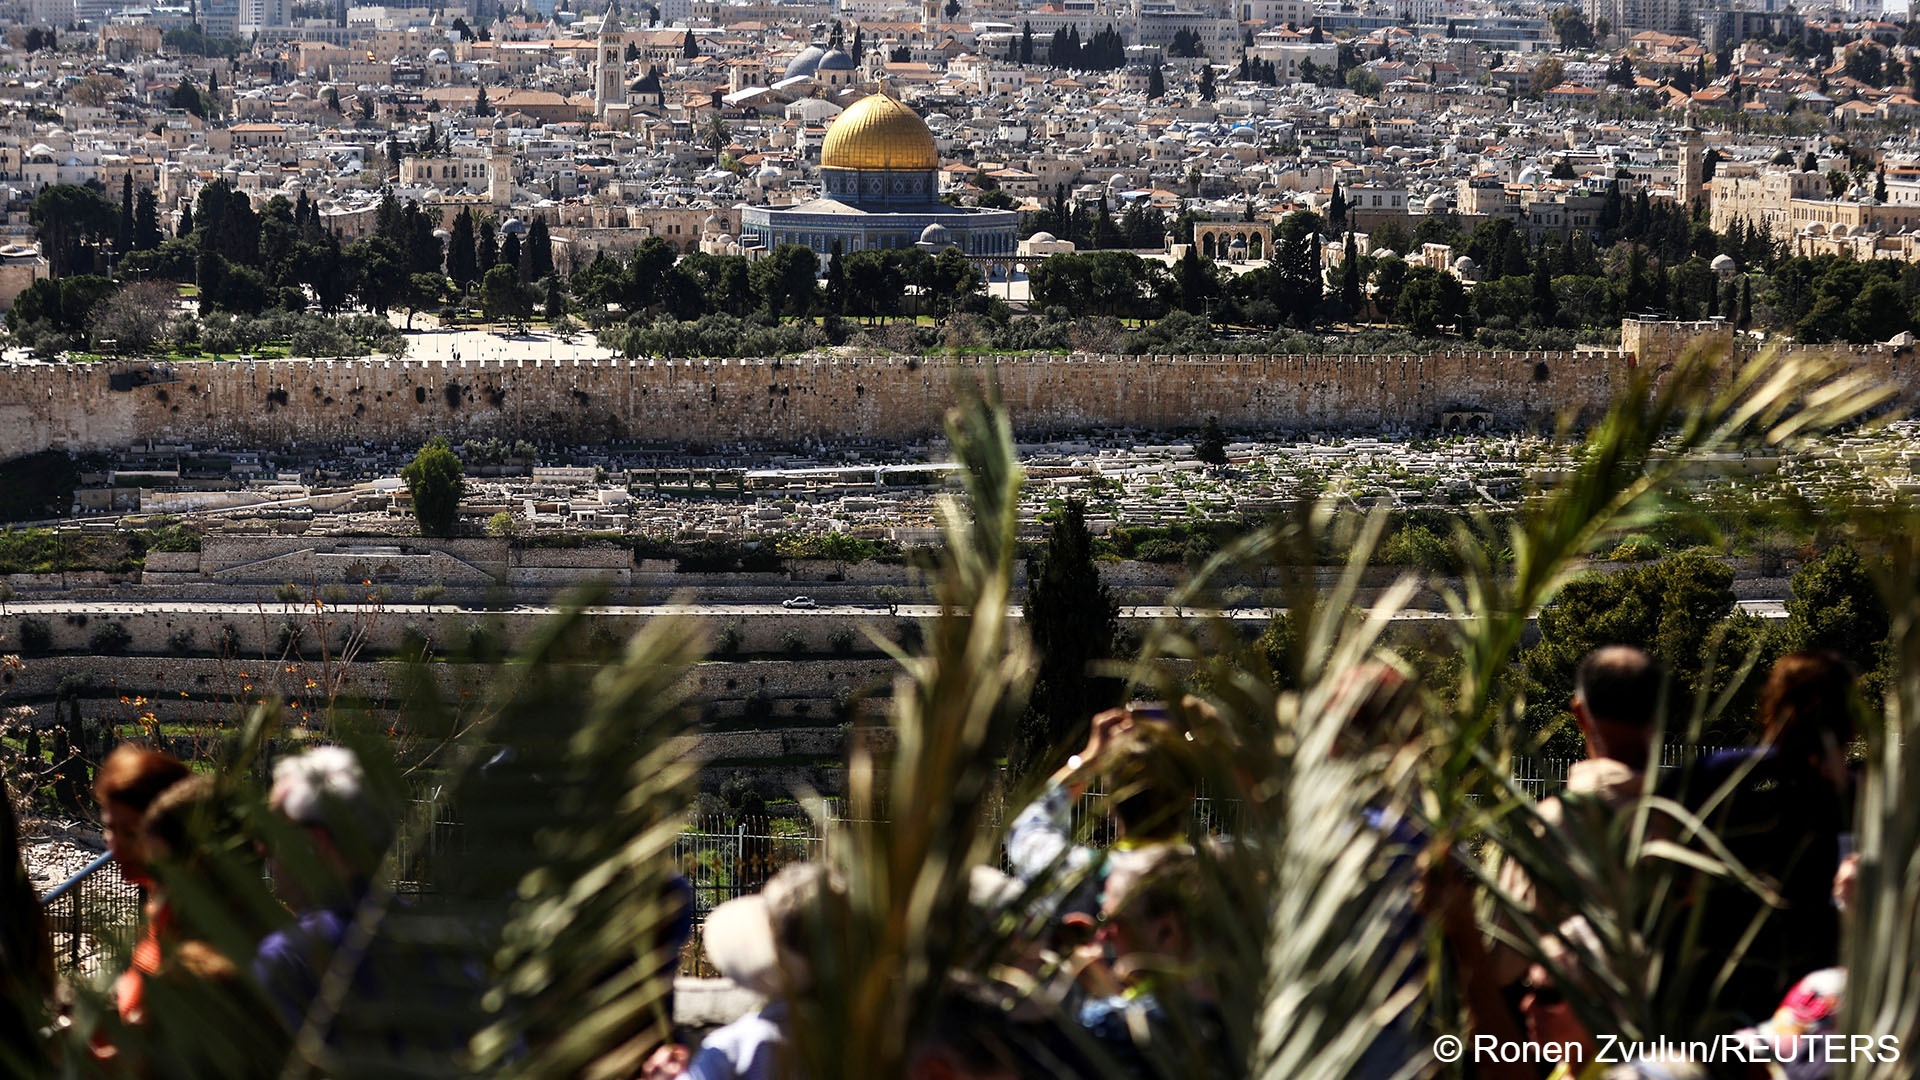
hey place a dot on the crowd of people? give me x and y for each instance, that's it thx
(1104, 960)
(1118, 949)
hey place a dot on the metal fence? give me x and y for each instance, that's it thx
(721, 857)
(92, 916)
(1542, 777)
(723, 861)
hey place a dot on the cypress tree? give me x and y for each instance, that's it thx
(486, 252)
(1350, 275)
(146, 221)
(1074, 622)
(1195, 281)
(461, 264)
(1545, 307)
(836, 280)
(1294, 271)
(1211, 448)
(510, 254)
(123, 242)
(539, 248)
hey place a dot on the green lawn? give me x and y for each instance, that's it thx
(264, 352)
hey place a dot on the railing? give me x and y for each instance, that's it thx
(86, 911)
(722, 858)
(1542, 777)
(723, 863)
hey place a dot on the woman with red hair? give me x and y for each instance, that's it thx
(129, 781)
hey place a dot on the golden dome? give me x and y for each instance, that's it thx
(879, 132)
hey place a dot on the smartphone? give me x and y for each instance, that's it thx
(1148, 710)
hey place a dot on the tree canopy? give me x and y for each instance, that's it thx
(1073, 621)
(435, 483)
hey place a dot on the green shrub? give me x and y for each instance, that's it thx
(841, 641)
(110, 639)
(1418, 547)
(414, 642)
(727, 642)
(846, 704)
(172, 537)
(793, 643)
(1635, 549)
(1161, 551)
(603, 640)
(180, 642)
(36, 637)
(758, 707)
(908, 635)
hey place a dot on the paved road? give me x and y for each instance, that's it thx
(1766, 609)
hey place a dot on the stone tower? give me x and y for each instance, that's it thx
(1690, 185)
(610, 66)
(500, 168)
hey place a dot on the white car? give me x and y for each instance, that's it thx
(799, 602)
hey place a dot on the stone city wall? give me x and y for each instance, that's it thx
(787, 401)
(813, 399)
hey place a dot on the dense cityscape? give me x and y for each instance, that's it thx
(1088, 538)
(1518, 176)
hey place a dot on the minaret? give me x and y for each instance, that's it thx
(500, 168)
(1690, 185)
(610, 68)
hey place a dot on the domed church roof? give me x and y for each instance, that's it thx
(805, 62)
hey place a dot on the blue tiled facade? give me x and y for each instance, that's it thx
(877, 209)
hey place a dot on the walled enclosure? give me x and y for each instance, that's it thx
(322, 402)
(788, 401)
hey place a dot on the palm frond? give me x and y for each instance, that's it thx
(1882, 941)
(1615, 873)
(584, 965)
(919, 814)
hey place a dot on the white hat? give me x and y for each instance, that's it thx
(750, 939)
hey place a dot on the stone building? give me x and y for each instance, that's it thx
(1761, 196)
(20, 266)
(609, 67)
